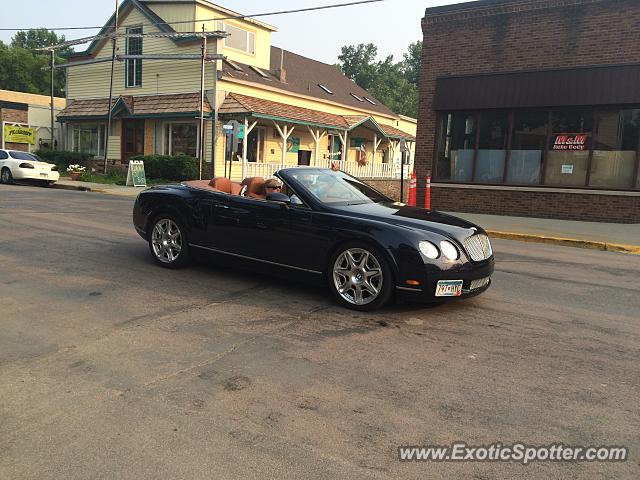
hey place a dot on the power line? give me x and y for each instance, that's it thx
(234, 17)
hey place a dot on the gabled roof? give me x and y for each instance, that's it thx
(158, 22)
(243, 105)
(143, 106)
(304, 75)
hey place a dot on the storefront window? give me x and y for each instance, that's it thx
(181, 139)
(582, 147)
(492, 147)
(614, 151)
(457, 147)
(88, 139)
(568, 155)
(527, 146)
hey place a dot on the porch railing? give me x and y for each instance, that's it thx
(370, 170)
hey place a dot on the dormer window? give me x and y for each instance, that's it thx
(325, 89)
(357, 97)
(370, 101)
(239, 38)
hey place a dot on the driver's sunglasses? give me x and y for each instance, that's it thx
(274, 188)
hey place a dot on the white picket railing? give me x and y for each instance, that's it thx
(370, 170)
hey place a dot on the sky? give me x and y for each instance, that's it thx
(391, 25)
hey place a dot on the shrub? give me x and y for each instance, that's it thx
(63, 158)
(178, 167)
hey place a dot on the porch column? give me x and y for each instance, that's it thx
(285, 133)
(317, 138)
(344, 146)
(376, 144)
(394, 146)
(247, 131)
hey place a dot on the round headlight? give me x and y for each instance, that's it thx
(449, 250)
(429, 250)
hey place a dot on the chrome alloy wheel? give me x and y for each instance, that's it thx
(166, 240)
(357, 276)
(5, 176)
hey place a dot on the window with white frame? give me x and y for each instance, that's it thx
(181, 139)
(133, 67)
(238, 38)
(88, 138)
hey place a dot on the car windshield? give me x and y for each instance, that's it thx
(336, 188)
(25, 156)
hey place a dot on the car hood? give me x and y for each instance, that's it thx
(418, 219)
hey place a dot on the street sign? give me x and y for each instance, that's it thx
(240, 134)
(228, 128)
(135, 174)
(403, 145)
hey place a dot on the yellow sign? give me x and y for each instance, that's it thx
(17, 134)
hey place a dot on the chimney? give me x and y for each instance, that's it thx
(282, 73)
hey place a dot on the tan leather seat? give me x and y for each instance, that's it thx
(222, 184)
(255, 188)
(225, 185)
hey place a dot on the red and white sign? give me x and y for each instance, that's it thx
(571, 141)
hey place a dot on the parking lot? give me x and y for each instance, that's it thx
(111, 367)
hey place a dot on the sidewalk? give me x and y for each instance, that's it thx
(67, 184)
(600, 236)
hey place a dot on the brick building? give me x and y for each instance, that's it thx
(532, 108)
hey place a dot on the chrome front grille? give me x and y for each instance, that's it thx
(478, 247)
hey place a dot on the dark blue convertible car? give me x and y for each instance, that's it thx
(324, 225)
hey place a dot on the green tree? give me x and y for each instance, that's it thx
(24, 69)
(39, 38)
(394, 84)
(412, 61)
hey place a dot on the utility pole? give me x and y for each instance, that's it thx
(114, 41)
(53, 62)
(204, 53)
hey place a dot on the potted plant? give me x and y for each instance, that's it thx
(75, 171)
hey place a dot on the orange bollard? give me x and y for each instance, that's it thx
(427, 194)
(412, 190)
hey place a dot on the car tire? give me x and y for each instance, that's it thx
(6, 176)
(360, 277)
(168, 242)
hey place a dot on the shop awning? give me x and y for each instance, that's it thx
(237, 106)
(142, 106)
(569, 87)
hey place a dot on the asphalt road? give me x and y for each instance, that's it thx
(111, 367)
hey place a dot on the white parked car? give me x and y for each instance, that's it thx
(15, 165)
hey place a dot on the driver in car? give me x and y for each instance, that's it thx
(272, 185)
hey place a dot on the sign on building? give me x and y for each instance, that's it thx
(19, 134)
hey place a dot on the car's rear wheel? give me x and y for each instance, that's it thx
(5, 176)
(168, 242)
(360, 277)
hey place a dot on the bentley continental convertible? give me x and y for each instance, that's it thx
(324, 225)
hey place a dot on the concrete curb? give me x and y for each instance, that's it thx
(567, 242)
(79, 188)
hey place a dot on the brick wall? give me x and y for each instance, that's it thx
(519, 35)
(586, 206)
(391, 188)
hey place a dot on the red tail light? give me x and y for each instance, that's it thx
(54, 168)
(26, 165)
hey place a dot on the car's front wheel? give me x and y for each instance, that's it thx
(5, 176)
(168, 242)
(360, 277)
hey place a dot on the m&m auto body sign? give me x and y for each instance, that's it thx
(571, 141)
(18, 134)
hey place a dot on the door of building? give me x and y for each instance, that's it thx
(132, 138)
(304, 157)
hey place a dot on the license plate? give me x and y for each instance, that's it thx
(449, 288)
(44, 174)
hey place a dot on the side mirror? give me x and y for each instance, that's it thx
(278, 197)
